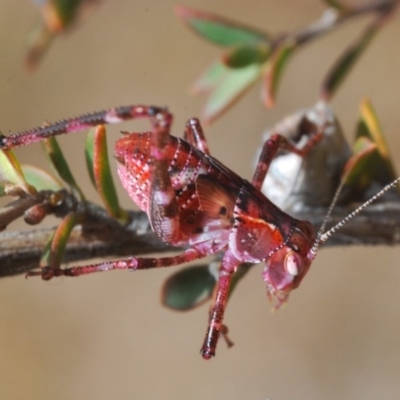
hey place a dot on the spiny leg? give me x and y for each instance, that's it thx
(163, 212)
(132, 263)
(270, 148)
(194, 134)
(217, 310)
(158, 116)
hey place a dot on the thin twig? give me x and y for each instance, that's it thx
(99, 236)
(332, 19)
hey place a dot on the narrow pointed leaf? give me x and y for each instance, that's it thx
(65, 10)
(371, 159)
(346, 62)
(354, 172)
(89, 156)
(273, 72)
(188, 288)
(210, 78)
(380, 166)
(245, 55)
(99, 169)
(234, 84)
(55, 247)
(40, 178)
(57, 16)
(11, 175)
(219, 30)
(57, 159)
(369, 126)
(39, 42)
(60, 14)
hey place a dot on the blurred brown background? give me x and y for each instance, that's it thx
(106, 336)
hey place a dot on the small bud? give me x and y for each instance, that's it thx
(35, 214)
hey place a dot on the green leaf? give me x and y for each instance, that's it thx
(57, 15)
(273, 72)
(188, 288)
(57, 159)
(60, 14)
(219, 30)
(369, 126)
(371, 159)
(67, 10)
(99, 170)
(11, 176)
(346, 62)
(41, 179)
(55, 247)
(210, 78)
(192, 286)
(233, 85)
(242, 56)
(89, 155)
(380, 167)
(353, 173)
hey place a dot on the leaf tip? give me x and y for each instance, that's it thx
(180, 10)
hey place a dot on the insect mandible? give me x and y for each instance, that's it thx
(194, 201)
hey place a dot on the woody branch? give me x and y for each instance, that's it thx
(102, 236)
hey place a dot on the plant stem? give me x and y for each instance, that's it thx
(102, 236)
(331, 18)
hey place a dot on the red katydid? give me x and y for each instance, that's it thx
(194, 201)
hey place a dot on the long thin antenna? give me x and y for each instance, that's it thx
(323, 237)
(328, 214)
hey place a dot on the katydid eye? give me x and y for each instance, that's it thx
(292, 263)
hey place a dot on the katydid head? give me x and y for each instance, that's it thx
(286, 267)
